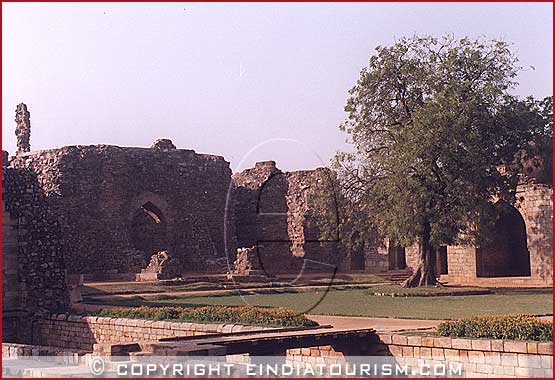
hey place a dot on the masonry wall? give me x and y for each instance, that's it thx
(11, 287)
(83, 332)
(96, 192)
(535, 204)
(272, 211)
(33, 268)
(481, 358)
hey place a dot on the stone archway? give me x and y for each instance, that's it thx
(396, 257)
(148, 230)
(358, 260)
(442, 266)
(505, 253)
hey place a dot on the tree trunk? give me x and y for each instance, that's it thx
(425, 274)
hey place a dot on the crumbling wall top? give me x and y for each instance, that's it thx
(23, 128)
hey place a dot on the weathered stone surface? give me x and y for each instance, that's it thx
(33, 270)
(246, 262)
(23, 128)
(119, 206)
(272, 210)
(163, 145)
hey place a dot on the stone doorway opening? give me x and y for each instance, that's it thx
(441, 260)
(397, 257)
(149, 230)
(358, 261)
(506, 253)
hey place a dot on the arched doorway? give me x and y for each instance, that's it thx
(149, 230)
(358, 261)
(397, 257)
(441, 260)
(505, 253)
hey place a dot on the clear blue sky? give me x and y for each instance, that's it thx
(224, 78)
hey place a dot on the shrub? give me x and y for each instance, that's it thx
(510, 327)
(249, 315)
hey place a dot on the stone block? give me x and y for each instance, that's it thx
(443, 342)
(458, 343)
(509, 370)
(509, 359)
(481, 344)
(532, 347)
(400, 340)
(523, 372)
(408, 351)
(386, 338)
(547, 361)
(492, 358)
(531, 361)
(414, 340)
(396, 350)
(427, 341)
(452, 354)
(515, 346)
(545, 348)
(438, 354)
(425, 352)
(497, 369)
(477, 357)
(484, 368)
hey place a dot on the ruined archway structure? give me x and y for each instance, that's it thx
(522, 254)
(505, 253)
(117, 205)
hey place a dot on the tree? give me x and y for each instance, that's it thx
(435, 131)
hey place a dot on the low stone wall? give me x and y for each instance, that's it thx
(16, 350)
(82, 332)
(478, 357)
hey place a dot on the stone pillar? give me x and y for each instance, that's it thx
(23, 128)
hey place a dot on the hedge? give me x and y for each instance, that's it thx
(246, 315)
(509, 327)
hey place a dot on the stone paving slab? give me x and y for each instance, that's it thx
(379, 324)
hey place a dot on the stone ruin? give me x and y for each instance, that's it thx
(103, 212)
(246, 266)
(119, 206)
(272, 213)
(163, 145)
(162, 266)
(33, 267)
(23, 128)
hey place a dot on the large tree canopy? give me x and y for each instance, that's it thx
(435, 133)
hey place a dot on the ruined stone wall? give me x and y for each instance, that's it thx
(465, 263)
(33, 268)
(97, 192)
(535, 203)
(273, 214)
(306, 237)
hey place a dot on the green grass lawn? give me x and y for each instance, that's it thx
(362, 303)
(132, 287)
